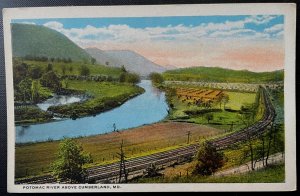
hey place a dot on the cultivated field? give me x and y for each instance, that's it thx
(197, 96)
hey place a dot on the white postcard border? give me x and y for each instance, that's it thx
(289, 12)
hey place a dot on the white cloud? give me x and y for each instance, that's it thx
(258, 20)
(274, 29)
(32, 23)
(229, 30)
(54, 25)
(279, 34)
(224, 26)
(239, 32)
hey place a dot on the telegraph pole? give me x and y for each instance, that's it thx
(122, 164)
(188, 134)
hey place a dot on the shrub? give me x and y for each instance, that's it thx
(208, 160)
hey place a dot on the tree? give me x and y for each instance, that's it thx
(49, 67)
(122, 77)
(20, 72)
(51, 80)
(249, 152)
(69, 163)
(156, 78)
(70, 68)
(36, 72)
(63, 69)
(246, 116)
(35, 86)
(209, 160)
(219, 99)
(65, 83)
(152, 170)
(209, 117)
(65, 60)
(129, 78)
(132, 78)
(84, 70)
(25, 89)
(225, 100)
(123, 69)
(93, 61)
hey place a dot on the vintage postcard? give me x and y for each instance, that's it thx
(151, 98)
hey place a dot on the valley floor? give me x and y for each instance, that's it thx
(35, 159)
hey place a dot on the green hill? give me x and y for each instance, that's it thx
(216, 74)
(38, 41)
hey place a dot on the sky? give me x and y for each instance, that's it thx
(252, 42)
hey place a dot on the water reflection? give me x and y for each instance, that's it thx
(61, 100)
(22, 131)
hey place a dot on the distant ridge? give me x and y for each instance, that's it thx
(37, 40)
(217, 74)
(131, 60)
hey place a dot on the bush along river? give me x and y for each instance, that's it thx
(147, 108)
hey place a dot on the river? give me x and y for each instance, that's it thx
(147, 108)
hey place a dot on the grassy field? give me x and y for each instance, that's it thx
(222, 119)
(237, 99)
(105, 95)
(272, 174)
(34, 159)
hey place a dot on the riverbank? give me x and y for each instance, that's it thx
(103, 96)
(34, 159)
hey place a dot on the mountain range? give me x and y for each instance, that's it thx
(38, 41)
(132, 61)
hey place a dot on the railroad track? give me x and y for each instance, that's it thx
(110, 172)
(102, 173)
(253, 130)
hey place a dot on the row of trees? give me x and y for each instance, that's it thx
(54, 59)
(45, 59)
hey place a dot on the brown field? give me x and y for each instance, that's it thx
(35, 158)
(193, 95)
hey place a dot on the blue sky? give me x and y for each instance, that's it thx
(183, 41)
(143, 22)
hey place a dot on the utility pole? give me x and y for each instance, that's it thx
(122, 164)
(188, 134)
